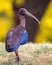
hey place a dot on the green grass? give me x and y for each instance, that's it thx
(30, 54)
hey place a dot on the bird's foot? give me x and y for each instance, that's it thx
(18, 60)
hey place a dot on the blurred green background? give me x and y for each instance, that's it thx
(41, 9)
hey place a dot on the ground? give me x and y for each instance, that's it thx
(30, 54)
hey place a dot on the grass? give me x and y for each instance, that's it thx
(30, 54)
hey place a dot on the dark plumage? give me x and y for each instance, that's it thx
(18, 36)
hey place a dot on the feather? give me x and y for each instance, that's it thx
(14, 38)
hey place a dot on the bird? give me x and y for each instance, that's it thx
(18, 35)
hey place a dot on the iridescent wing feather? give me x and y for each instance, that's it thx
(13, 39)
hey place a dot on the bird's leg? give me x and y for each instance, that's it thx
(17, 56)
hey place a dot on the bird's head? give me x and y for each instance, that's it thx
(23, 12)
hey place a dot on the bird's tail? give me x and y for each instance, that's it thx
(8, 49)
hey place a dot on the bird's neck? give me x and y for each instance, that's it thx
(22, 21)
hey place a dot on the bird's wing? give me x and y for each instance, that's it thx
(9, 34)
(15, 41)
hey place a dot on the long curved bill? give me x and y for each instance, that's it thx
(29, 14)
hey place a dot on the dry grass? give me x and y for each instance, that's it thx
(30, 54)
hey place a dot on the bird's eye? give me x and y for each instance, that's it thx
(22, 12)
